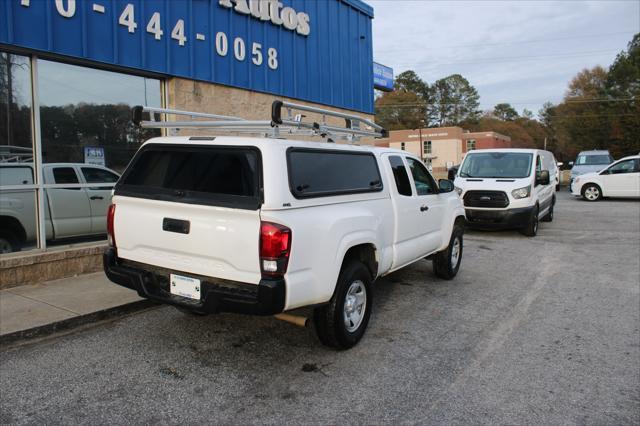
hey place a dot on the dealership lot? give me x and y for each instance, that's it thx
(543, 330)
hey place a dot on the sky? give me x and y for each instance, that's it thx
(519, 52)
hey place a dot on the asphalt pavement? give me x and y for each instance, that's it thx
(531, 331)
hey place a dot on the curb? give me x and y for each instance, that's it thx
(71, 323)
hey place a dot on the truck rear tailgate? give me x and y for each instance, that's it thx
(203, 240)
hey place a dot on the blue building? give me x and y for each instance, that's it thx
(70, 71)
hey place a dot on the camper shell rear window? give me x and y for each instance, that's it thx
(225, 176)
(322, 172)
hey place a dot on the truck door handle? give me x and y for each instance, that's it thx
(97, 197)
(424, 208)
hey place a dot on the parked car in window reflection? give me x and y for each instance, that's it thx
(73, 211)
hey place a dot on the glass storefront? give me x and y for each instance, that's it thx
(86, 139)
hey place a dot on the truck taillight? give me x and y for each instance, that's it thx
(275, 246)
(111, 213)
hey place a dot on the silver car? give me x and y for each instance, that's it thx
(589, 161)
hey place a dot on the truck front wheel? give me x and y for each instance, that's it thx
(447, 262)
(342, 322)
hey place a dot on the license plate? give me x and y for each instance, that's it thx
(185, 286)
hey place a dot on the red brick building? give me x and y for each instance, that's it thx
(443, 147)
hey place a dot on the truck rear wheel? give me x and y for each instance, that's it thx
(9, 243)
(342, 322)
(447, 262)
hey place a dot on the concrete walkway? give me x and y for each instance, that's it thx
(33, 310)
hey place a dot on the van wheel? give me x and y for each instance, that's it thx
(342, 322)
(591, 192)
(549, 216)
(531, 230)
(8, 242)
(447, 262)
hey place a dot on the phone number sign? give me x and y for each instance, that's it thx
(318, 51)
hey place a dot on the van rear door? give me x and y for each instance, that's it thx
(193, 209)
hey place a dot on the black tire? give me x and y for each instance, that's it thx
(189, 312)
(9, 243)
(549, 216)
(591, 192)
(531, 230)
(330, 320)
(557, 187)
(445, 265)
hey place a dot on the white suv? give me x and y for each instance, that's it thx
(262, 226)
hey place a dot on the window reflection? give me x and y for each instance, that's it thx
(86, 114)
(87, 138)
(17, 206)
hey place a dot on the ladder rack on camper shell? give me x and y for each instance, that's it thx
(277, 127)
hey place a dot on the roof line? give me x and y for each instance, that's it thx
(361, 6)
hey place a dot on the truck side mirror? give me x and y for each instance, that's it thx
(542, 177)
(445, 185)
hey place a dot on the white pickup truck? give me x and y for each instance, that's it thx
(70, 212)
(264, 225)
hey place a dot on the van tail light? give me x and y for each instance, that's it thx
(275, 247)
(111, 236)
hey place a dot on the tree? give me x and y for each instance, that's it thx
(409, 81)
(623, 87)
(505, 112)
(453, 100)
(527, 114)
(400, 110)
(588, 84)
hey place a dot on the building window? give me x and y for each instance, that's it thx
(18, 230)
(85, 122)
(426, 148)
(471, 145)
(402, 146)
(87, 108)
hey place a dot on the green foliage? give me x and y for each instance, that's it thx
(409, 81)
(400, 110)
(453, 100)
(505, 112)
(601, 109)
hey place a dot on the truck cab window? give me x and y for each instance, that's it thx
(95, 175)
(63, 175)
(400, 175)
(425, 184)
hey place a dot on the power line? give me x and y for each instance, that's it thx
(415, 105)
(515, 58)
(520, 41)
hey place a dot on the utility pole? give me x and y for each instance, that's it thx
(545, 143)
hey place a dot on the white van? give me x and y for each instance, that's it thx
(508, 188)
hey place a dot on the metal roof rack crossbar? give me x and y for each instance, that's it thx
(277, 127)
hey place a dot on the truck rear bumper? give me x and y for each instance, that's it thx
(499, 219)
(266, 298)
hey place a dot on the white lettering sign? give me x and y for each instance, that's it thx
(271, 10)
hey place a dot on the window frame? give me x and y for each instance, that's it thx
(301, 196)
(471, 141)
(426, 144)
(635, 161)
(407, 173)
